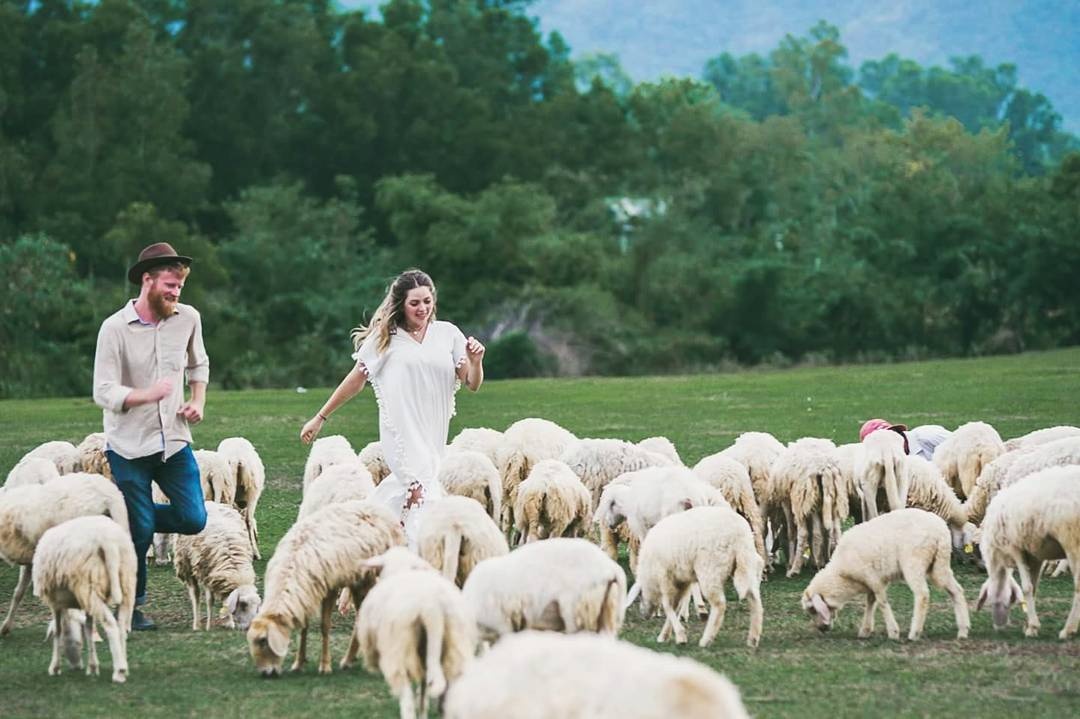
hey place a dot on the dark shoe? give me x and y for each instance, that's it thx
(141, 623)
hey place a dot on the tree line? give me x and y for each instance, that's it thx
(779, 208)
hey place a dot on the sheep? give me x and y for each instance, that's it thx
(456, 535)
(706, 545)
(88, 563)
(848, 457)
(733, 481)
(217, 479)
(662, 446)
(1035, 520)
(963, 455)
(1051, 454)
(92, 457)
(319, 555)
(326, 452)
(598, 461)
(62, 454)
(539, 674)
(878, 466)
(337, 483)
(479, 439)
(218, 560)
(906, 543)
(415, 628)
(559, 584)
(247, 467)
(990, 480)
(26, 512)
(551, 502)
(31, 470)
(525, 443)
(372, 457)
(470, 473)
(928, 490)
(756, 451)
(1041, 436)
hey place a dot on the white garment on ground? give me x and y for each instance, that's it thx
(414, 383)
(924, 439)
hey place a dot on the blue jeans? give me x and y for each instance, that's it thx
(179, 480)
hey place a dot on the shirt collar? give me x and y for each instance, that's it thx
(130, 315)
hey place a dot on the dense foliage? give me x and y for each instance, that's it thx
(780, 208)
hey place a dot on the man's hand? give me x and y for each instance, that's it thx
(160, 389)
(192, 411)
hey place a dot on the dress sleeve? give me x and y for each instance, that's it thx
(458, 349)
(368, 358)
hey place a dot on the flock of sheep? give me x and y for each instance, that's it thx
(548, 613)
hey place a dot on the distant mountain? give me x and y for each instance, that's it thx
(675, 37)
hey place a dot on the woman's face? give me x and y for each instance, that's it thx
(419, 304)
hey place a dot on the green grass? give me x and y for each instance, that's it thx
(795, 672)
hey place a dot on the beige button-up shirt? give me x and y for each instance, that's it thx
(132, 354)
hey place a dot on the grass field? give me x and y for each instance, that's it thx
(794, 673)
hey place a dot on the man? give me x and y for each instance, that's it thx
(919, 441)
(143, 352)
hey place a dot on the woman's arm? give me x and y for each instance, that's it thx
(353, 383)
(472, 372)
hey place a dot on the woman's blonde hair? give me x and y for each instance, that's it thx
(390, 314)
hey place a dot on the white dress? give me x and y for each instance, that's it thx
(415, 384)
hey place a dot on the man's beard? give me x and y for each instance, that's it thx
(161, 307)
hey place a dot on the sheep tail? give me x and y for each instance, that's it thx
(435, 627)
(607, 619)
(110, 555)
(117, 510)
(451, 554)
(892, 484)
(748, 568)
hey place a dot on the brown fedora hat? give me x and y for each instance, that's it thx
(159, 253)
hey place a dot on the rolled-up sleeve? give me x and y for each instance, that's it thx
(109, 391)
(198, 362)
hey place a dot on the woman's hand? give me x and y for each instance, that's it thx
(311, 429)
(474, 351)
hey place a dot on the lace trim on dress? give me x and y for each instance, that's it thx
(457, 386)
(408, 476)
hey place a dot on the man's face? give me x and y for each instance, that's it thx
(163, 292)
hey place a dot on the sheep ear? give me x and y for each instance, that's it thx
(232, 600)
(277, 638)
(821, 607)
(687, 504)
(374, 563)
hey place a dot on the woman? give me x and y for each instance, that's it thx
(415, 365)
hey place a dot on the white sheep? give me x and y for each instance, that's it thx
(318, 556)
(525, 443)
(415, 628)
(848, 456)
(456, 535)
(706, 545)
(470, 473)
(536, 675)
(878, 466)
(337, 483)
(560, 584)
(217, 561)
(1041, 436)
(551, 502)
(733, 481)
(662, 446)
(372, 457)
(928, 490)
(88, 563)
(1051, 454)
(756, 451)
(247, 467)
(963, 455)
(27, 512)
(911, 544)
(1035, 520)
(31, 470)
(62, 454)
(92, 458)
(990, 480)
(598, 461)
(326, 452)
(479, 439)
(216, 477)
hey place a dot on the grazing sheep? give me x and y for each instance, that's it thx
(319, 555)
(92, 457)
(756, 451)
(662, 446)
(31, 470)
(456, 535)
(878, 466)
(247, 467)
(415, 628)
(1042, 436)
(598, 461)
(1051, 454)
(1035, 520)
(848, 457)
(218, 561)
(963, 455)
(62, 454)
(991, 479)
(907, 543)
(326, 452)
(372, 457)
(217, 479)
(551, 502)
(525, 443)
(706, 545)
(26, 513)
(88, 563)
(733, 481)
(534, 675)
(479, 439)
(928, 490)
(564, 585)
(470, 473)
(337, 483)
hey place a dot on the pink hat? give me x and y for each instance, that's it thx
(873, 425)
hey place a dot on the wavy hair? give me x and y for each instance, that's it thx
(390, 314)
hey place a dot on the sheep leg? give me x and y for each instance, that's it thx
(716, 618)
(252, 527)
(325, 665)
(699, 600)
(921, 594)
(672, 615)
(803, 539)
(1072, 622)
(209, 597)
(943, 577)
(301, 651)
(791, 530)
(1062, 567)
(632, 547)
(58, 628)
(406, 699)
(193, 595)
(92, 666)
(891, 627)
(817, 540)
(20, 590)
(117, 648)
(867, 627)
(757, 617)
(1029, 569)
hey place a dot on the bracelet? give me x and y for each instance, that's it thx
(322, 416)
